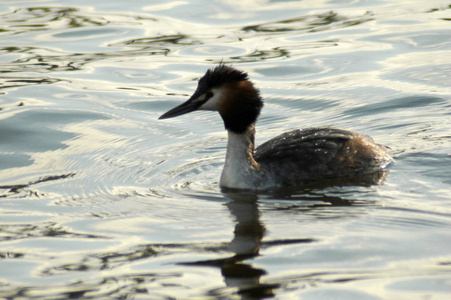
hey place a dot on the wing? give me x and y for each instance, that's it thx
(304, 146)
(320, 153)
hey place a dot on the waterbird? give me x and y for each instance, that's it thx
(319, 156)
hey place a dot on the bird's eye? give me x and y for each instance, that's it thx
(208, 95)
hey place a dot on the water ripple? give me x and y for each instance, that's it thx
(100, 200)
(310, 22)
(28, 19)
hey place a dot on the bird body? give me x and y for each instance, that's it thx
(302, 157)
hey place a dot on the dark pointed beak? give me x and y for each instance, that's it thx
(192, 104)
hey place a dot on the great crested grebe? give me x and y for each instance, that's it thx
(302, 157)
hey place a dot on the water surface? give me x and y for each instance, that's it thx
(100, 200)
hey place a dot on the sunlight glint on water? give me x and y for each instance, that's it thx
(100, 200)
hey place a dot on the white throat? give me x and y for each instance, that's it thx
(240, 169)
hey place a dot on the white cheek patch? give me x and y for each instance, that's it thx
(214, 102)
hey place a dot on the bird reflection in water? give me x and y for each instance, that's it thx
(239, 274)
(246, 243)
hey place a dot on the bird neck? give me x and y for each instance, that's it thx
(241, 145)
(240, 167)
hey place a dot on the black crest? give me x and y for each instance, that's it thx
(221, 74)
